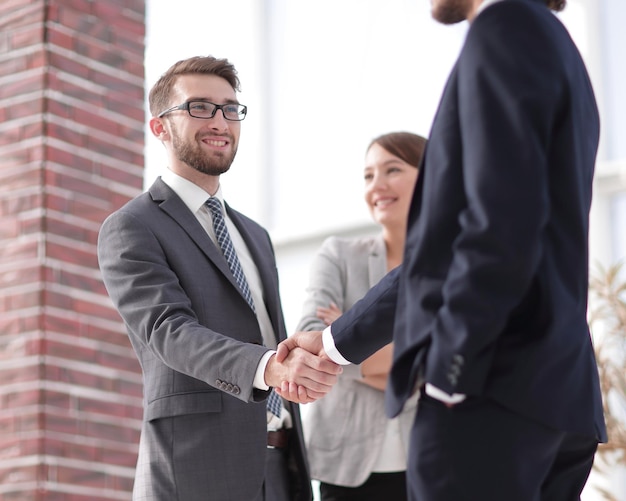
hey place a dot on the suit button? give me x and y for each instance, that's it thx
(458, 359)
(229, 388)
(218, 383)
(236, 390)
(453, 379)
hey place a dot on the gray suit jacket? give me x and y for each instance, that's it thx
(204, 434)
(344, 431)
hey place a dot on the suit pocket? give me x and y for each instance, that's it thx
(180, 404)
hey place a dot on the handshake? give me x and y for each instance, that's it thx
(301, 371)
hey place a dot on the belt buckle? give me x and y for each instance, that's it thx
(268, 439)
(278, 438)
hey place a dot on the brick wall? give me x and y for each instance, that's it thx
(71, 152)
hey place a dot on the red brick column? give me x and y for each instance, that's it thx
(71, 151)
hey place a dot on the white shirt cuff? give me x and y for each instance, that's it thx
(259, 376)
(330, 348)
(437, 394)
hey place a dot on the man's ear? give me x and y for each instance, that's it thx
(158, 128)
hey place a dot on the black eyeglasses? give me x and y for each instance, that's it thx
(205, 109)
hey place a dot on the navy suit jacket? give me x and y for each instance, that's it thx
(492, 297)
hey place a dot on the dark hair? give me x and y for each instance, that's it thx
(200, 65)
(406, 146)
(557, 5)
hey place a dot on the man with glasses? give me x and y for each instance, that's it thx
(196, 284)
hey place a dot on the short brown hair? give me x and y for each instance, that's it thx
(557, 5)
(201, 65)
(406, 146)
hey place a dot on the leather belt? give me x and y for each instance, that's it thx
(278, 439)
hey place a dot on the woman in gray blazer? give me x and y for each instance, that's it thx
(354, 450)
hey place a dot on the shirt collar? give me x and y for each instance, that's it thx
(484, 5)
(191, 194)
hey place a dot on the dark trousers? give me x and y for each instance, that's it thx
(276, 484)
(378, 487)
(479, 450)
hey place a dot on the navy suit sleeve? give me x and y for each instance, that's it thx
(511, 96)
(368, 325)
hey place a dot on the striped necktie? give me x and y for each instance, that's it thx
(274, 403)
(226, 244)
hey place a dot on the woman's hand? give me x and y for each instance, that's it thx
(330, 314)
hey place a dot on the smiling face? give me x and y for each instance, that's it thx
(206, 146)
(389, 184)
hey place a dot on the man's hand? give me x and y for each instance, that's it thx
(298, 390)
(311, 341)
(309, 375)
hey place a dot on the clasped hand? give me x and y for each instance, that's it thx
(301, 371)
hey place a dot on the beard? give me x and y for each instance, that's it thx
(450, 11)
(192, 154)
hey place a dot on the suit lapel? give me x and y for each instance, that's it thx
(171, 204)
(262, 257)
